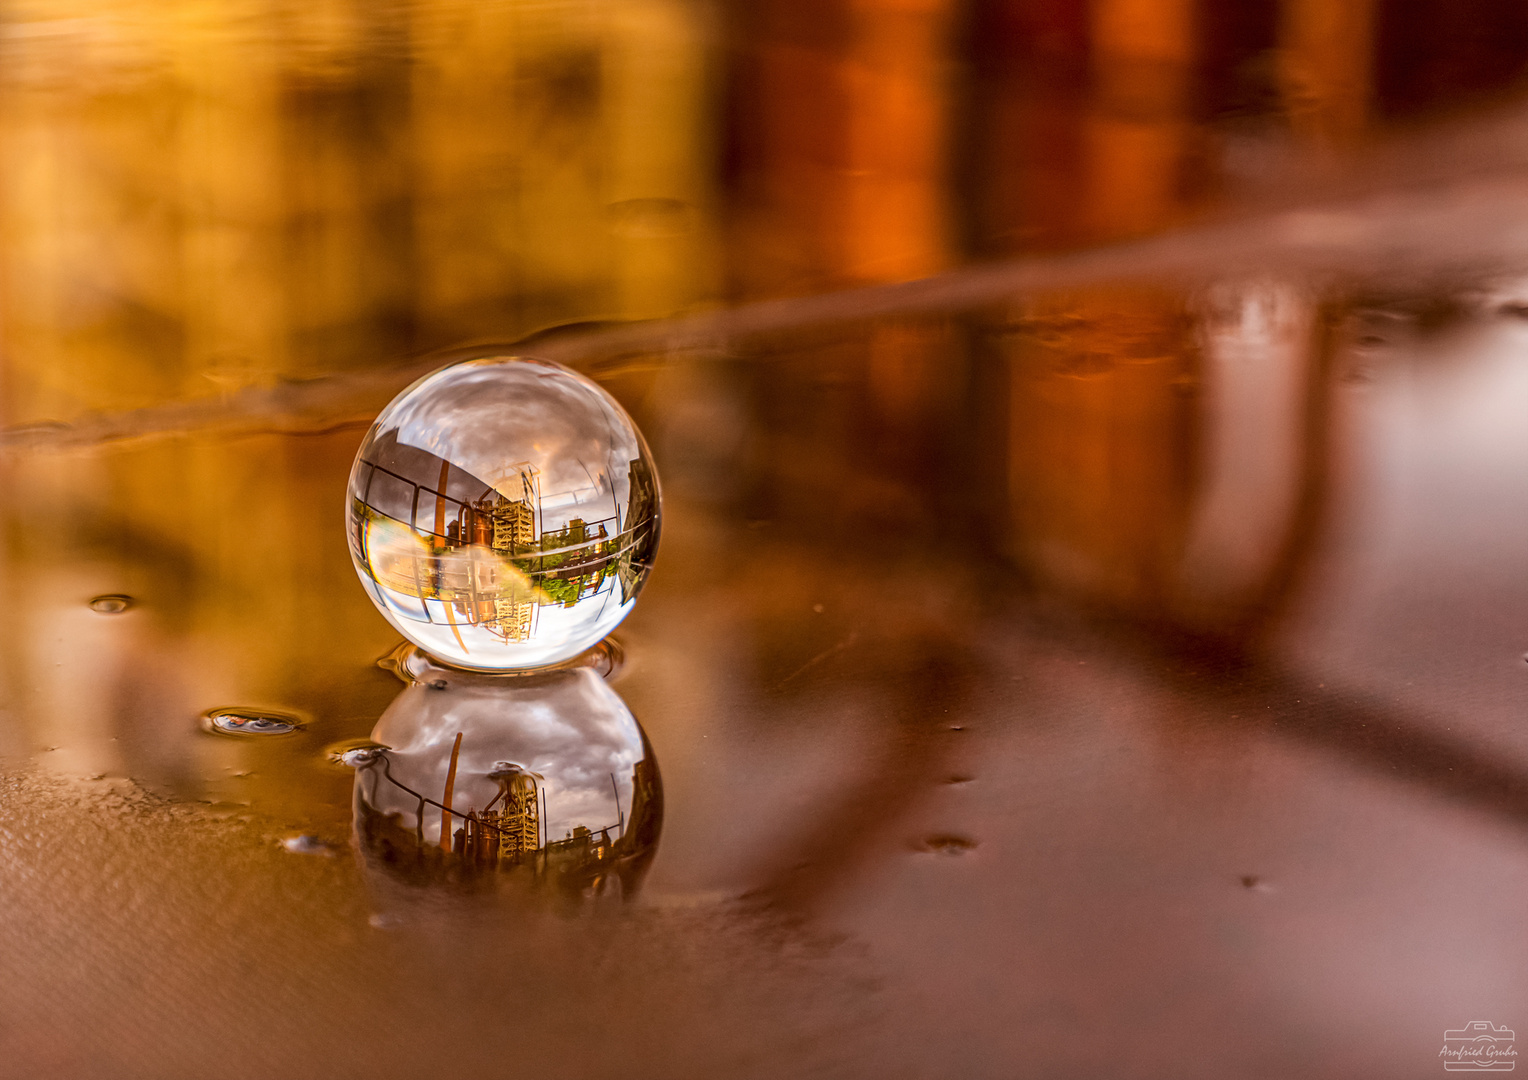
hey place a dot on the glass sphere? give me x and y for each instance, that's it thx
(545, 778)
(503, 513)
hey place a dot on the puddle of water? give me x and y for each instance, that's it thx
(240, 722)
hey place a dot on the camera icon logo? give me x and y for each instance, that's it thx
(1478, 1047)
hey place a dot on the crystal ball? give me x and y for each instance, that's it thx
(503, 513)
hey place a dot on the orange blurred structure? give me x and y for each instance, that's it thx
(1101, 423)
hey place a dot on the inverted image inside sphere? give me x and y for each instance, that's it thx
(503, 513)
(547, 778)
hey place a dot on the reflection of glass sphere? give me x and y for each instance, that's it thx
(546, 777)
(503, 513)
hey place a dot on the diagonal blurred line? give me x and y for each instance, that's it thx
(1388, 740)
(1443, 206)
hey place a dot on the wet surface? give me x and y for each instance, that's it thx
(918, 830)
(1088, 634)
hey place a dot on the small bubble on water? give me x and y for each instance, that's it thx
(958, 779)
(249, 722)
(111, 604)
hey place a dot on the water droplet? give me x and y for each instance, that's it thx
(504, 513)
(607, 658)
(1249, 881)
(355, 754)
(111, 603)
(818, 608)
(945, 844)
(250, 722)
(306, 844)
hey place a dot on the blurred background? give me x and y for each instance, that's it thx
(1302, 483)
(203, 202)
(198, 199)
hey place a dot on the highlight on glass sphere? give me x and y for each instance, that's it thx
(503, 513)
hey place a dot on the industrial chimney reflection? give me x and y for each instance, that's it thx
(543, 778)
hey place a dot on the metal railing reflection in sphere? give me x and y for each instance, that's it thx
(503, 513)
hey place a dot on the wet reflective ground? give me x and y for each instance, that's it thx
(924, 817)
(1109, 661)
